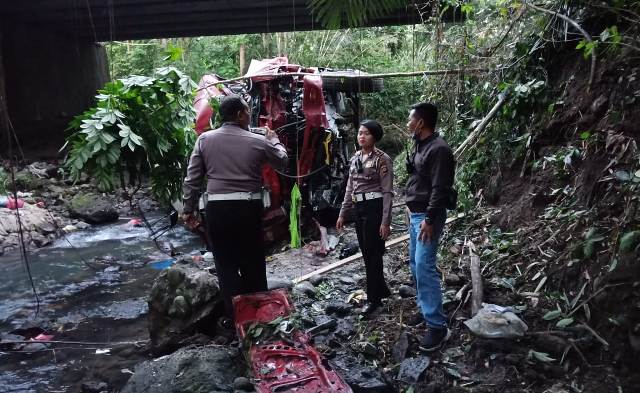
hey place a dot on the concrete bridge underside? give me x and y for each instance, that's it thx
(51, 62)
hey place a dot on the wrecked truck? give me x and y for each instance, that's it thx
(315, 112)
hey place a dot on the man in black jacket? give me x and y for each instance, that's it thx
(431, 169)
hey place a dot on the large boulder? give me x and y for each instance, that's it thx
(191, 369)
(93, 208)
(36, 225)
(183, 298)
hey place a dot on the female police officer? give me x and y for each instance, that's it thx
(370, 192)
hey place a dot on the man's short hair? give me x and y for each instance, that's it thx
(427, 112)
(230, 106)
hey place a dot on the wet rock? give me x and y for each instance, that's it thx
(305, 288)
(92, 208)
(412, 368)
(339, 308)
(349, 249)
(453, 279)
(33, 220)
(243, 384)
(82, 225)
(317, 280)
(276, 283)
(35, 347)
(39, 240)
(345, 328)
(181, 297)
(360, 377)
(175, 277)
(94, 387)
(42, 169)
(399, 351)
(197, 369)
(406, 291)
(179, 308)
(368, 349)
(347, 280)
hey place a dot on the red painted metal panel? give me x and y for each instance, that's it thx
(291, 365)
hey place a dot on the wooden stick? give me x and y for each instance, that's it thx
(358, 76)
(342, 262)
(476, 284)
(502, 98)
(72, 342)
(595, 334)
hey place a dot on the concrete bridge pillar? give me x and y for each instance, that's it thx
(48, 79)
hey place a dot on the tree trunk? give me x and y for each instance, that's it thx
(242, 59)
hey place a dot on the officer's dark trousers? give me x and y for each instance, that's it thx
(236, 234)
(368, 220)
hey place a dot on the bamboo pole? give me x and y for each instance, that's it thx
(358, 76)
(342, 262)
(502, 98)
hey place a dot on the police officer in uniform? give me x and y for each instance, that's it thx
(231, 158)
(369, 194)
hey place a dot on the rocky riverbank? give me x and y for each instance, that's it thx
(52, 205)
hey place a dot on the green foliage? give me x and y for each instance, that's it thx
(629, 241)
(611, 36)
(400, 174)
(587, 47)
(140, 126)
(334, 14)
(4, 181)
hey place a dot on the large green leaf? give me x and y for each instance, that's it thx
(334, 14)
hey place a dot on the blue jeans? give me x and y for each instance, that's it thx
(422, 259)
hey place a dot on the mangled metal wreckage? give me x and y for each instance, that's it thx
(315, 113)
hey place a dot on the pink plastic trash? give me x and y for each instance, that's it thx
(43, 337)
(135, 222)
(13, 204)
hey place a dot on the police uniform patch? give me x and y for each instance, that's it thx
(384, 169)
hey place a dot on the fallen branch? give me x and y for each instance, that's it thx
(580, 29)
(342, 262)
(594, 334)
(476, 284)
(73, 342)
(502, 98)
(454, 71)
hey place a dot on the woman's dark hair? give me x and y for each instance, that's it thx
(374, 128)
(427, 112)
(230, 106)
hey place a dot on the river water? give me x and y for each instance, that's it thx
(93, 287)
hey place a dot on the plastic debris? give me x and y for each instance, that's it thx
(208, 257)
(493, 321)
(11, 203)
(135, 222)
(103, 351)
(69, 228)
(163, 264)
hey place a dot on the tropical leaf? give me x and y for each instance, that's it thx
(335, 14)
(540, 356)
